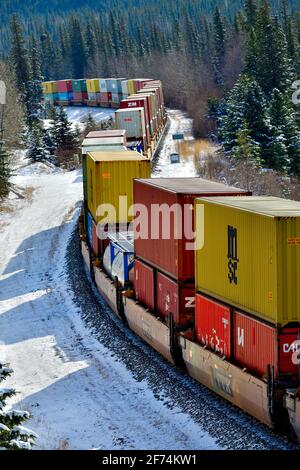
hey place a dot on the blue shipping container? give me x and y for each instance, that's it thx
(63, 96)
(90, 229)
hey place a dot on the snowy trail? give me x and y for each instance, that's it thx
(186, 168)
(93, 386)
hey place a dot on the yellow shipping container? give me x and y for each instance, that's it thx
(130, 85)
(109, 176)
(251, 255)
(93, 85)
(49, 87)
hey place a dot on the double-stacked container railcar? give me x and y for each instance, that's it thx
(216, 275)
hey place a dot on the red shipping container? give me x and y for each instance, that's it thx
(171, 253)
(78, 96)
(257, 345)
(175, 298)
(213, 325)
(144, 284)
(105, 97)
(64, 86)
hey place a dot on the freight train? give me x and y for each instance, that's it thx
(208, 275)
(139, 105)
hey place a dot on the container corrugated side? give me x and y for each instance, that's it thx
(174, 257)
(258, 345)
(144, 284)
(213, 325)
(133, 121)
(93, 85)
(109, 176)
(251, 256)
(175, 298)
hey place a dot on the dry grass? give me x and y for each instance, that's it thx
(63, 444)
(217, 167)
(5, 208)
(28, 193)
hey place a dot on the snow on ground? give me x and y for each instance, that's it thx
(186, 168)
(77, 115)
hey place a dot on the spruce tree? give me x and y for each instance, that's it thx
(61, 130)
(78, 49)
(37, 151)
(19, 56)
(285, 131)
(13, 436)
(246, 149)
(91, 124)
(245, 103)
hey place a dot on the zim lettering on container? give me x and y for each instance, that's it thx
(232, 255)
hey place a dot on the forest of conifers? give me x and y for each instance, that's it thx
(229, 64)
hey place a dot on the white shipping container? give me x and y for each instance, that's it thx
(133, 121)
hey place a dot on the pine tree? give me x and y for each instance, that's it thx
(246, 149)
(245, 103)
(91, 124)
(37, 151)
(34, 94)
(13, 435)
(285, 131)
(78, 50)
(219, 33)
(273, 66)
(63, 136)
(251, 13)
(19, 55)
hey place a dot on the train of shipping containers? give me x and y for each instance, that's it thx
(133, 121)
(170, 254)
(254, 246)
(109, 176)
(247, 341)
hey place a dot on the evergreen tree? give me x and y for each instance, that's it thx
(13, 435)
(251, 13)
(273, 66)
(34, 88)
(78, 51)
(91, 124)
(19, 56)
(245, 103)
(63, 136)
(246, 149)
(286, 132)
(37, 151)
(219, 33)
